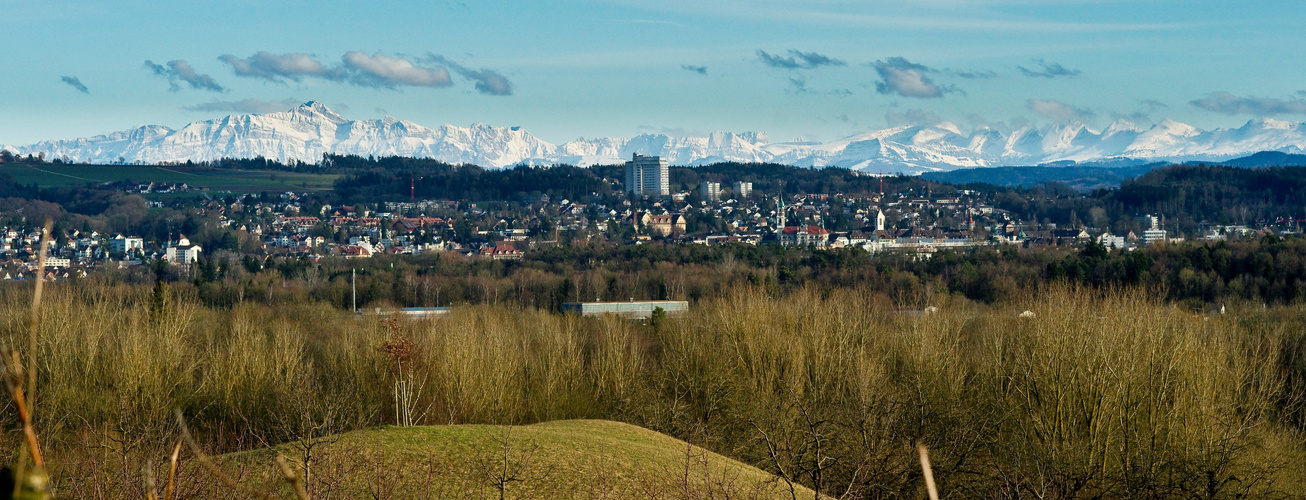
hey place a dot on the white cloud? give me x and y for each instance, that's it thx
(797, 60)
(380, 70)
(359, 68)
(702, 70)
(273, 67)
(905, 78)
(1229, 104)
(911, 117)
(75, 83)
(1048, 70)
(180, 70)
(245, 106)
(1059, 111)
(488, 81)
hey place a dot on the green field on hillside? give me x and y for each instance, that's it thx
(240, 181)
(559, 459)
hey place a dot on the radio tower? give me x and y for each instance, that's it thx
(412, 189)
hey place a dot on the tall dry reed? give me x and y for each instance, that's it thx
(1098, 394)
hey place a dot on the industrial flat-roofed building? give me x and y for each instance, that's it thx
(632, 309)
(410, 312)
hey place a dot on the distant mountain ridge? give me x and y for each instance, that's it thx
(311, 130)
(1081, 178)
(1093, 175)
(1268, 159)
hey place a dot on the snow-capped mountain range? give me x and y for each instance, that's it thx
(310, 130)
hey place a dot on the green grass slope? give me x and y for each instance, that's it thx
(560, 459)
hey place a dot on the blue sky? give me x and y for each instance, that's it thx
(815, 70)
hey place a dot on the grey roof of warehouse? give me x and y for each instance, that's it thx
(629, 309)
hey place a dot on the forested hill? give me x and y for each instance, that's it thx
(434, 180)
(1079, 177)
(1186, 195)
(371, 180)
(1095, 175)
(1216, 194)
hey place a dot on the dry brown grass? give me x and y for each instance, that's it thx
(1099, 394)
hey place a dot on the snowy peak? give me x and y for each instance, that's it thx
(1174, 128)
(1269, 124)
(304, 133)
(1121, 126)
(310, 130)
(313, 110)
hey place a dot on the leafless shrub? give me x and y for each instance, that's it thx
(511, 462)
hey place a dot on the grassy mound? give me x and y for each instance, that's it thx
(559, 459)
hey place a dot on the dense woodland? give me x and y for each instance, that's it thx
(1186, 196)
(396, 179)
(1199, 276)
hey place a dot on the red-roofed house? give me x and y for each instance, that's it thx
(501, 252)
(355, 251)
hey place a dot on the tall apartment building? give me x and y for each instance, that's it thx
(743, 189)
(711, 191)
(648, 175)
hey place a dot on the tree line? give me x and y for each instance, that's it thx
(1197, 275)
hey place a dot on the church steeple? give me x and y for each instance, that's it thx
(780, 210)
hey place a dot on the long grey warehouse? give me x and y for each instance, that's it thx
(633, 309)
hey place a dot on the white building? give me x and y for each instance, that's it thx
(1153, 222)
(648, 176)
(183, 252)
(1151, 236)
(1110, 240)
(1155, 231)
(710, 191)
(743, 189)
(121, 244)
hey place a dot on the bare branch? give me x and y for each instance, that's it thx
(151, 489)
(292, 478)
(208, 462)
(929, 474)
(34, 322)
(172, 471)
